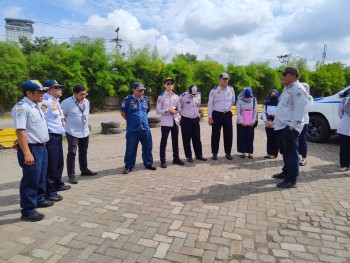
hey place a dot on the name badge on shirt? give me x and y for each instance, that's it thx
(84, 119)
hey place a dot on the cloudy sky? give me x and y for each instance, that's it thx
(237, 31)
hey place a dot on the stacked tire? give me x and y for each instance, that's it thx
(111, 127)
(154, 122)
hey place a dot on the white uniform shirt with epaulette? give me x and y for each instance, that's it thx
(190, 104)
(164, 102)
(291, 107)
(53, 113)
(28, 116)
(221, 100)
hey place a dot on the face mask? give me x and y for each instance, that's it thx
(194, 91)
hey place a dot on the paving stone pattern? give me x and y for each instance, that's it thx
(214, 211)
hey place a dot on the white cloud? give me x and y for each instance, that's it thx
(12, 12)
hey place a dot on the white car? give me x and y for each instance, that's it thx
(324, 119)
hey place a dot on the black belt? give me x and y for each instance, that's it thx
(55, 134)
(36, 144)
(220, 112)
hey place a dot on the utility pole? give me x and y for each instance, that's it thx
(283, 58)
(324, 53)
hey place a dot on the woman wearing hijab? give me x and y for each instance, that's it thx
(268, 116)
(246, 109)
(344, 134)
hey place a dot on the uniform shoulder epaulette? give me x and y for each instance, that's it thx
(183, 94)
(161, 94)
(199, 93)
(145, 97)
(20, 102)
(214, 88)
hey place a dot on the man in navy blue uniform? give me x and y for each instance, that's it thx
(32, 134)
(134, 110)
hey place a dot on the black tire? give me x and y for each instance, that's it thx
(154, 125)
(111, 130)
(111, 124)
(318, 129)
(154, 119)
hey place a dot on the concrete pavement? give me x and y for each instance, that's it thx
(214, 211)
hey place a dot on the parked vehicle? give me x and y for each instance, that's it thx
(324, 119)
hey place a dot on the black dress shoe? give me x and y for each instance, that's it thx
(228, 156)
(151, 168)
(88, 173)
(33, 217)
(280, 176)
(72, 179)
(55, 198)
(126, 171)
(45, 203)
(64, 188)
(214, 157)
(163, 165)
(190, 160)
(286, 184)
(179, 162)
(201, 158)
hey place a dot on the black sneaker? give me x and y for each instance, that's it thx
(163, 165)
(151, 167)
(126, 171)
(178, 161)
(88, 173)
(63, 188)
(228, 156)
(72, 179)
(45, 203)
(33, 217)
(55, 198)
(280, 176)
(201, 158)
(286, 184)
(214, 157)
(190, 160)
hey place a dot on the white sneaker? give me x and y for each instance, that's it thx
(343, 169)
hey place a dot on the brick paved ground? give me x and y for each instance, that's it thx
(215, 211)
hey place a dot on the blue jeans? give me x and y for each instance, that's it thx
(132, 142)
(289, 148)
(33, 184)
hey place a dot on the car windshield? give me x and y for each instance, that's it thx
(345, 92)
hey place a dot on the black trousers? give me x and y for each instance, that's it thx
(73, 144)
(174, 139)
(272, 145)
(344, 152)
(223, 120)
(191, 130)
(303, 142)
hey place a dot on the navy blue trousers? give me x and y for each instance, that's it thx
(33, 184)
(223, 120)
(344, 153)
(55, 164)
(174, 139)
(73, 144)
(303, 142)
(191, 130)
(245, 139)
(132, 142)
(272, 146)
(289, 148)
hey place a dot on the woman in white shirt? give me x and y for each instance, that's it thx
(344, 134)
(268, 116)
(246, 109)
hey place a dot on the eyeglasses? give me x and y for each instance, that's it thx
(56, 87)
(169, 84)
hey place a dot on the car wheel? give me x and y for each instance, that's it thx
(318, 129)
(111, 124)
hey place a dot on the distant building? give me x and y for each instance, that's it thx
(16, 28)
(76, 40)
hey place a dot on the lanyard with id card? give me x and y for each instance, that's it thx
(83, 117)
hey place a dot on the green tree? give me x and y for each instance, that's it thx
(13, 72)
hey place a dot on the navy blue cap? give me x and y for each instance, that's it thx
(52, 83)
(224, 76)
(32, 85)
(138, 86)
